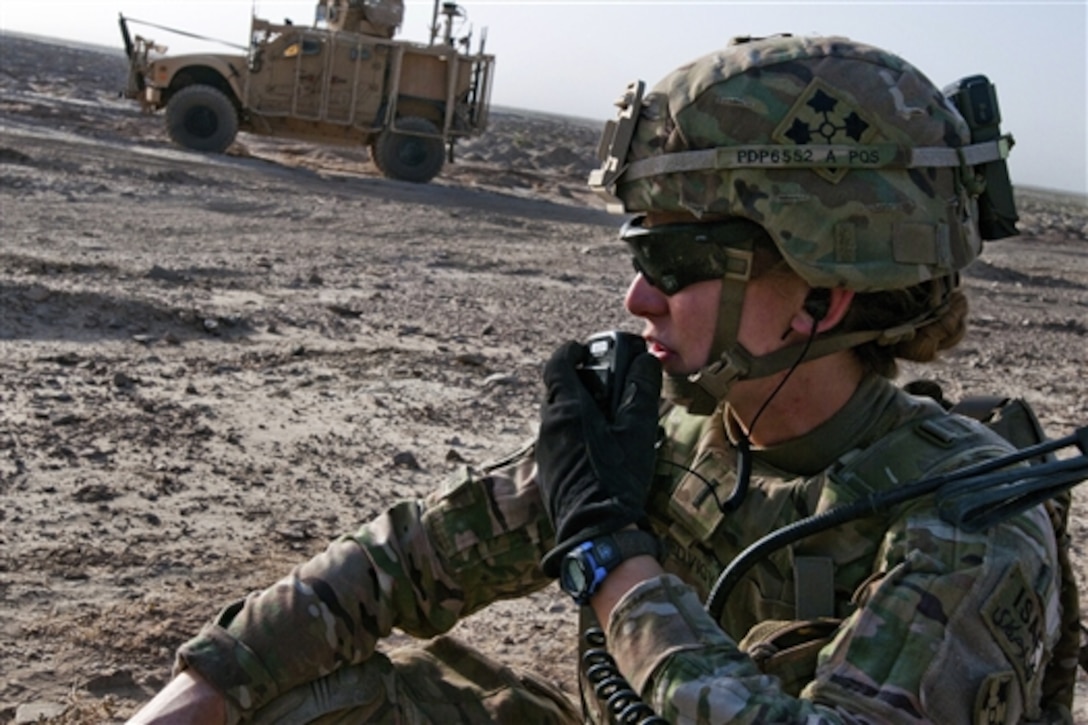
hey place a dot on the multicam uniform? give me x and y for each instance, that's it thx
(928, 622)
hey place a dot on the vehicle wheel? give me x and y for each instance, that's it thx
(201, 118)
(409, 158)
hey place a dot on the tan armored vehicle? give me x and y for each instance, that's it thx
(345, 80)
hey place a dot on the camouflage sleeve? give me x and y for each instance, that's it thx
(955, 627)
(420, 567)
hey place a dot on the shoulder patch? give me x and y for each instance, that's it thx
(992, 700)
(1014, 615)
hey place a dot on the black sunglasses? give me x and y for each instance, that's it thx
(673, 256)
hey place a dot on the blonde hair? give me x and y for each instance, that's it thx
(939, 304)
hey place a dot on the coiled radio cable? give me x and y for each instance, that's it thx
(623, 704)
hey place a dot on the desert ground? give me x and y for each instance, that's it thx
(212, 365)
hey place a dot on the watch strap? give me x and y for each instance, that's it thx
(635, 542)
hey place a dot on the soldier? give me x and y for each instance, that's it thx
(804, 206)
(370, 17)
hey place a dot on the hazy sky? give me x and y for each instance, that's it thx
(575, 56)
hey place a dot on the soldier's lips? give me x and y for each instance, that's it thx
(671, 361)
(661, 351)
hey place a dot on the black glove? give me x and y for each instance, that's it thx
(594, 474)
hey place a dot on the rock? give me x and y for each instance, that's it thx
(167, 275)
(12, 156)
(498, 379)
(472, 359)
(123, 381)
(119, 682)
(95, 493)
(406, 459)
(33, 712)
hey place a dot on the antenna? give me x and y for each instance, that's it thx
(434, 22)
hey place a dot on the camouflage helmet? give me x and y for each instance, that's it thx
(858, 168)
(855, 164)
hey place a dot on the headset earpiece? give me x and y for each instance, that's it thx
(817, 303)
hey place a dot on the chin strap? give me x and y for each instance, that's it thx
(683, 390)
(702, 392)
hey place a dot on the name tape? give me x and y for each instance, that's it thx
(872, 156)
(807, 156)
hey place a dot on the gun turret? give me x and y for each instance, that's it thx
(370, 17)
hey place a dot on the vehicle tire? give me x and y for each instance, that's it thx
(201, 118)
(409, 158)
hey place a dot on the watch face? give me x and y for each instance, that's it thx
(572, 576)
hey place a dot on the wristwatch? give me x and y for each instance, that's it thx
(586, 565)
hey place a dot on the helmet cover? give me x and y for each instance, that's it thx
(848, 156)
